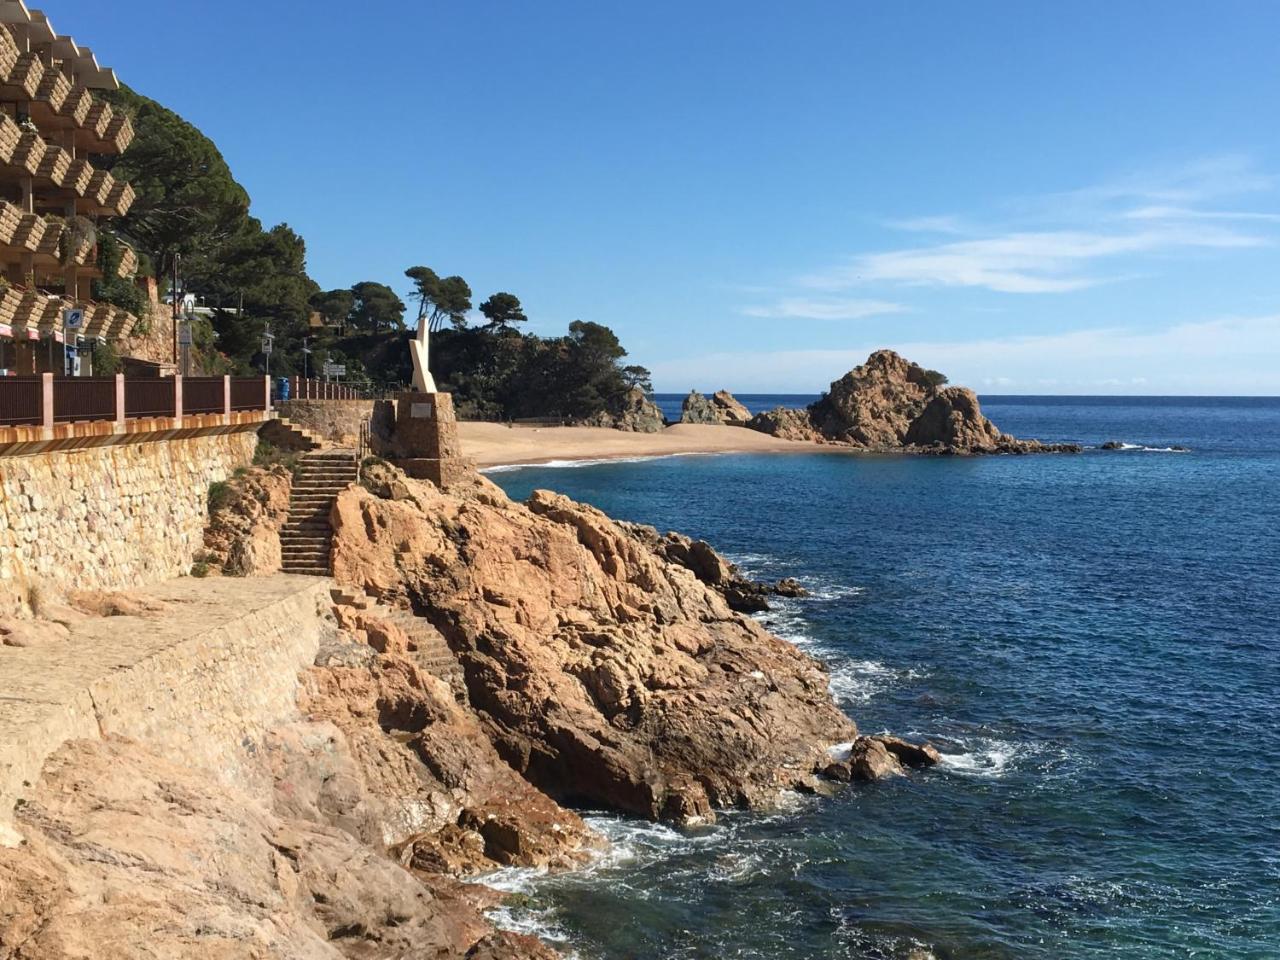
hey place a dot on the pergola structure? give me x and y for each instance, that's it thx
(53, 198)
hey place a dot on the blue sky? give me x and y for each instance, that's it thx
(1032, 197)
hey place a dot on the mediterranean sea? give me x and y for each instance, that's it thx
(1092, 640)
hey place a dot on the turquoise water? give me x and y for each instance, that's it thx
(1092, 641)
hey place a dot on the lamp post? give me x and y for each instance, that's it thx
(268, 338)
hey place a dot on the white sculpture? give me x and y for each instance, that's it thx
(423, 382)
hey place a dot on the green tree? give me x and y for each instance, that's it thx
(187, 202)
(635, 376)
(935, 378)
(376, 307)
(503, 311)
(439, 299)
(334, 305)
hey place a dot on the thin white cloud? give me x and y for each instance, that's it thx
(1228, 356)
(1022, 262)
(801, 308)
(1186, 213)
(1208, 178)
(939, 224)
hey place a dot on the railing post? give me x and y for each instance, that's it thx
(120, 408)
(226, 396)
(266, 394)
(46, 399)
(177, 397)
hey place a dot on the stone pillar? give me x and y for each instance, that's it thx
(46, 399)
(226, 397)
(177, 398)
(424, 439)
(266, 394)
(120, 405)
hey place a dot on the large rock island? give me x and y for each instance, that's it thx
(892, 404)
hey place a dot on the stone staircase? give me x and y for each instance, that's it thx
(431, 652)
(284, 434)
(307, 537)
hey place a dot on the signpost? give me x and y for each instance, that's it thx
(332, 370)
(268, 338)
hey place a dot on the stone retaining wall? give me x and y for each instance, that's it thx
(200, 681)
(108, 517)
(337, 421)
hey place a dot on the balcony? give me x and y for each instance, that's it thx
(10, 134)
(77, 105)
(10, 301)
(120, 200)
(54, 90)
(10, 220)
(9, 51)
(128, 261)
(31, 230)
(99, 119)
(28, 154)
(78, 177)
(99, 189)
(23, 81)
(53, 166)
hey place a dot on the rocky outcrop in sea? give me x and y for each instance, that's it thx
(892, 404)
(720, 407)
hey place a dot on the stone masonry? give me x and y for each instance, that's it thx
(108, 517)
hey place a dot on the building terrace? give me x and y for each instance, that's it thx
(54, 197)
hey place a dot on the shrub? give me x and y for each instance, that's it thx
(220, 494)
(200, 569)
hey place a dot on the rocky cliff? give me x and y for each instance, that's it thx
(605, 673)
(890, 403)
(489, 666)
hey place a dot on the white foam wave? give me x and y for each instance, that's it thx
(586, 462)
(1143, 448)
(985, 757)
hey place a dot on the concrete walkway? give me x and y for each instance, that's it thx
(200, 681)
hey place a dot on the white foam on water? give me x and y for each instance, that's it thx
(1142, 448)
(985, 757)
(586, 462)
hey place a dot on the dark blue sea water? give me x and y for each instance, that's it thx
(1093, 641)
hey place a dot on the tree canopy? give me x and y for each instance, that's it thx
(503, 311)
(439, 300)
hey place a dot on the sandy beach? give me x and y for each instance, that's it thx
(495, 444)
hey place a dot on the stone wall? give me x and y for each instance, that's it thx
(337, 421)
(201, 680)
(108, 517)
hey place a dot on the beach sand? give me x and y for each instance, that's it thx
(496, 444)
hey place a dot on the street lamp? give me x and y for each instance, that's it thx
(268, 338)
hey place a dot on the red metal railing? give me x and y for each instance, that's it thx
(205, 395)
(313, 389)
(147, 397)
(45, 399)
(248, 393)
(21, 400)
(84, 398)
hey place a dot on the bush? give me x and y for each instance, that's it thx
(220, 494)
(268, 455)
(935, 378)
(200, 569)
